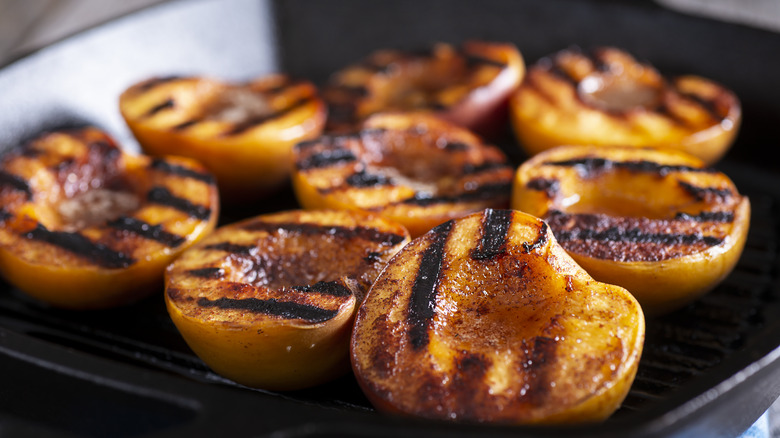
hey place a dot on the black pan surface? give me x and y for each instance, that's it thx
(710, 369)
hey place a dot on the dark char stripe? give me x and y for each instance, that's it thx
(635, 235)
(274, 307)
(186, 124)
(707, 216)
(168, 103)
(326, 158)
(162, 196)
(346, 233)
(549, 186)
(255, 121)
(422, 302)
(701, 193)
(79, 245)
(16, 183)
(333, 288)
(207, 273)
(363, 179)
(707, 105)
(540, 241)
(590, 166)
(233, 248)
(176, 169)
(147, 231)
(495, 229)
(483, 192)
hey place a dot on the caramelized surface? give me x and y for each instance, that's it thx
(606, 97)
(413, 168)
(77, 212)
(485, 318)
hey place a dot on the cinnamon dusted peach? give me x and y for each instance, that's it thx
(413, 168)
(269, 302)
(242, 132)
(657, 222)
(84, 225)
(608, 98)
(467, 85)
(486, 318)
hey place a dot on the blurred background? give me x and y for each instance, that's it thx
(26, 25)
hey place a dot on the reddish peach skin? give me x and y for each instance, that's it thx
(485, 110)
(469, 85)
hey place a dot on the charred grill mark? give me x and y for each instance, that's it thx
(495, 231)
(343, 112)
(592, 166)
(483, 192)
(326, 158)
(154, 82)
(596, 58)
(555, 69)
(547, 185)
(168, 103)
(185, 125)
(422, 301)
(207, 273)
(176, 169)
(362, 179)
(347, 233)
(284, 309)
(333, 288)
(707, 216)
(456, 146)
(371, 256)
(16, 183)
(4, 215)
(539, 360)
(79, 245)
(540, 241)
(636, 235)
(147, 231)
(232, 248)
(708, 106)
(702, 193)
(255, 121)
(162, 196)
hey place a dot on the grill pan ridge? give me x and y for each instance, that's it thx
(711, 368)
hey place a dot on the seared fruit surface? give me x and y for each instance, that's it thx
(87, 225)
(486, 318)
(269, 301)
(657, 222)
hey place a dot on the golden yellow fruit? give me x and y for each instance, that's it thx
(657, 222)
(487, 319)
(242, 132)
(412, 168)
(84, 225)
(608, 98)
(269, 301)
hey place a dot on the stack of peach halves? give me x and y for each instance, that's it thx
(490, 314)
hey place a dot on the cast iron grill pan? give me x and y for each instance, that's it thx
(710, 367)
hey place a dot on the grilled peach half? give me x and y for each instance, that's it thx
(607, 97)
(657, 222)
(269, 301)
(85, 225)
(468, 85)
(413, 168)
(487, 319)
(242, 132)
